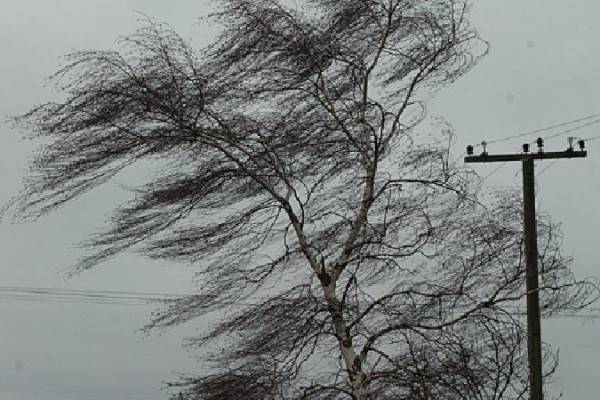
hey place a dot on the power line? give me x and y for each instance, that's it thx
(77, 391)
(73, 301)
(89, 291)
(546, 168)
(539, 130)
(573, 129)
(590, 139)
(596, 120)
(127, 298)
(53, 295)
(551, 127)
(485, 178)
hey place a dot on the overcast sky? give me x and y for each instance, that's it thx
(542, 70)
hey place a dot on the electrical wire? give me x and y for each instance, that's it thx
(89, 291)
(53, 295)
(546, 167)
(591, 139)
(485, 178)
(75, 391)
(588, 139)
(549, 128)
(554, 135)
(596, 120)
(48, 295)
(572, 129)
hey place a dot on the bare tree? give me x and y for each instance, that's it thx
(349, 251)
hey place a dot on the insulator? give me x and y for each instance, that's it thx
(525, 147)
(540, 143)
(469, 150)
(581, 144)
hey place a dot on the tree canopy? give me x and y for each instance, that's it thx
(298, 176)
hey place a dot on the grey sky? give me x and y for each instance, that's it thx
(542, 69)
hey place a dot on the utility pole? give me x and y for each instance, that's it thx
(534, 334)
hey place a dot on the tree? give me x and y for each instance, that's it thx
(350, 252)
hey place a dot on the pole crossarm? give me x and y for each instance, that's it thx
(525, 156)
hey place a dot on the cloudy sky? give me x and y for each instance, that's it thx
(542, 70)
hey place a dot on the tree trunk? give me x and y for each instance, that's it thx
(352, 361)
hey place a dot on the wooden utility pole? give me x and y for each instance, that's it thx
(534, 333)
